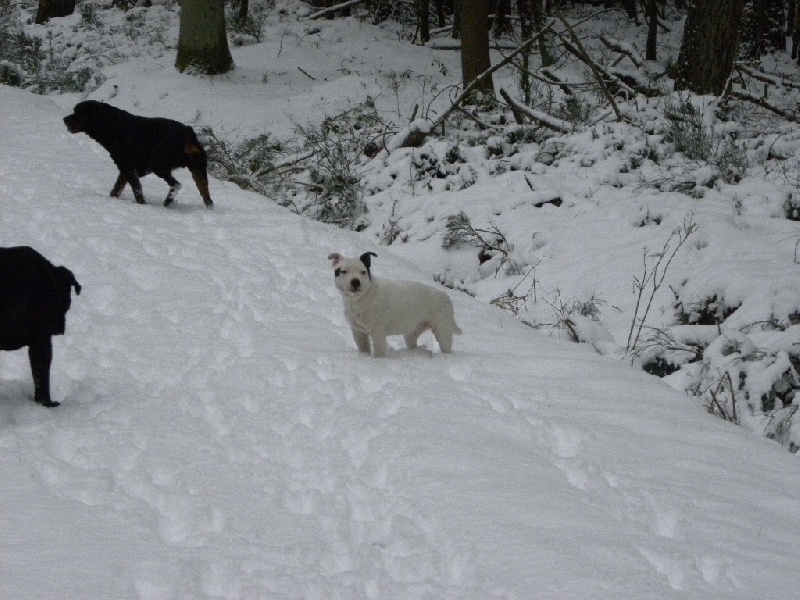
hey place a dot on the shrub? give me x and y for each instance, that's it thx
(250, 164)
(687, 131)
(252, 24)
(334, 148)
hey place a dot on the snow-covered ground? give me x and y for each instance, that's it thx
(220, 437)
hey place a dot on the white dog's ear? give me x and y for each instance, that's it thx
(335, 257)
(365, 258)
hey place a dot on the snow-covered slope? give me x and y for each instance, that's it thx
(220, 437)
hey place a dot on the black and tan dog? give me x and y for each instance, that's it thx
(142, 145)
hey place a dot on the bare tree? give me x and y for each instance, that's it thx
(710, 46)
(475, 43)
(50, 9)
(202, 40)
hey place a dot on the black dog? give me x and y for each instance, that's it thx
(142, 145)
(35, 296)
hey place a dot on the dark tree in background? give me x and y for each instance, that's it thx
(475, 43)
(630, 9)
(710, 45)
(50, 9)
(651, 46)
(793, 27)
(423, 18)
(202, 40)
(763, 28)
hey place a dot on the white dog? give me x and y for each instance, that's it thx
(377, 308)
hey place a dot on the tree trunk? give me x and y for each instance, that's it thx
(244, 8)
(709, 46)
(440, 17)
(50, 9)
(202, 41)
(458, 8)
(794, 24)
(423, 17)
(502, 24)
(630, 9)
(475, 43)
(651, 46)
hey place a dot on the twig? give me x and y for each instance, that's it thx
(306, 74)
(655, 277)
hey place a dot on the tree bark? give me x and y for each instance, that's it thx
(651, 46)
(244, 8)
(475, 43)
(440, 17)
(458, 8)
(423, 16)
(630, 9)
(202, 40)
(794, 24)
(710, 46)
(50, 9)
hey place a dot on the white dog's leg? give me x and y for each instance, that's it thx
(411, 340)
(378, 346)
(362, 341)
(444, 339)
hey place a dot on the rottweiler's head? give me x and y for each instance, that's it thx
(88, 114)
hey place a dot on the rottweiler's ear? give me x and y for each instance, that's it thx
(335, 257)
(365, 258)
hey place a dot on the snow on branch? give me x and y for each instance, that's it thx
(758, 101)
(623, 48)
(334, 8)
(540, 117)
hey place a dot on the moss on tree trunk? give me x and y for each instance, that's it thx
(202, 40)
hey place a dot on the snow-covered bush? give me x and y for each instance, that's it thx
(252, 24)
(250, 164)
(687, 130)
(335, 148)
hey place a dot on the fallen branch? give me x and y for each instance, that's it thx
(481, 125)
(766, 78)
(415, 134)
(552, 79)
(748, 97)
(330, 9)
(574, 46)
(480, 78)
(622, 48)
(540, 117)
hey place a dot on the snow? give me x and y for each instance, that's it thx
(221, 437)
